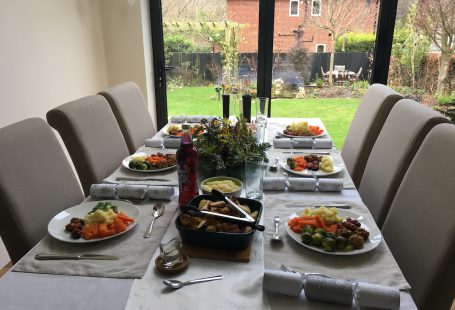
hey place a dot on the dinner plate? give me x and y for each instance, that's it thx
(291, 136)
(56, 226)
(372, 242)
(166, 133)
(126, 164)
(337, 167)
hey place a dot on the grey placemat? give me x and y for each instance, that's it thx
(336, 155)
(133, 250)
(170, 175)
(377, 266)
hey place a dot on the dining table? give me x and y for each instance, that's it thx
(133, 281)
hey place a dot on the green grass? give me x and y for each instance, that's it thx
(336, 113)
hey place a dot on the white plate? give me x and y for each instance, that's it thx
(372, 242)
(126, 162)
(337, 167)
(56, 226)
(291, 136)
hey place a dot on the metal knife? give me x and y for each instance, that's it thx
(141, 179)
(45, 256)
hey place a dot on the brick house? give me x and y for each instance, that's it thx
(289, 23)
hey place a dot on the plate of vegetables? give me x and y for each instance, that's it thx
(176, 130)
(94, 221)
(332, 231)
(303, 129)
(312, 165)
(142, 162)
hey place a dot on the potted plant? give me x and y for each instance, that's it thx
(223, 147)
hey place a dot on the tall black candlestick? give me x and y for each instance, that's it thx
(246, 106)
(226, 99)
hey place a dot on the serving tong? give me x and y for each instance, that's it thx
(244, 217)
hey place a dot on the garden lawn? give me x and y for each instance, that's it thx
(336, 113)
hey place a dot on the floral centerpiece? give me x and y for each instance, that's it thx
(223, 146)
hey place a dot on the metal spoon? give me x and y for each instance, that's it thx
(276, 236)
(158, 210)
(274, 166)
(178, 284)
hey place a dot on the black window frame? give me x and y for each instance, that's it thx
(381, 61)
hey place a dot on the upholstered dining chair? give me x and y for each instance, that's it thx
(368, 120)
(420, 226)
(92, 136)
(36, 183)
(131, 112)
(400, 138)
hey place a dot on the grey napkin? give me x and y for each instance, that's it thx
(323, 143)
(171, 142)
(274, 184)
(154, 142)
(302, 184)
(131, 191)
(377, 296)
(333, 290)
(287, 143)
(178, 119)
(330, 185)
(160, 192)
(287, 283)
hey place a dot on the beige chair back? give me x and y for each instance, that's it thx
(365, 127)
(400, 138)
(131, 112)
(420, 227)
(92, 136)
(36, 183)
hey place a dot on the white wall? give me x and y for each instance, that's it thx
(126, 35)
(51, 52)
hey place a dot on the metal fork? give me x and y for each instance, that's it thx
(287, 269)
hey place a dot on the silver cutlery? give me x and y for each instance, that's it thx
(178, 284)
(287, 269)
(274, 166)
(45, 256)
(140, 179)
(338, 206)
(158, 210)
(276, 236)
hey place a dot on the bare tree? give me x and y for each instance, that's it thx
(190, 9)
(338, 17)
(436, 18)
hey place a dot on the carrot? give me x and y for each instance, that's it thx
(125, 218)
(119, 225)
(102, 230)
(90, 231)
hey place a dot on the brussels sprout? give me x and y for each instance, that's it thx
(291, 163)
(348, 248)
(132, 164)
(141, 166)
(341, 242)
(306, 238)
(328, 244)
(317, 239)
(320, 231)
(330, 235)
(308, 229)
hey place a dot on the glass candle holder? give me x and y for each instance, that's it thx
(171, 252)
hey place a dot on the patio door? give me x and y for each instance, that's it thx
(203, 49)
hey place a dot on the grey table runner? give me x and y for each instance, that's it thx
(336, 155)
(377, 266)
(133, 250)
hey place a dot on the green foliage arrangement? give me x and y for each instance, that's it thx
(356, 42)
(228, 145)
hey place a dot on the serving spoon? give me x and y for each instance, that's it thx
(175, 284)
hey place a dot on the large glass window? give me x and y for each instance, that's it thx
(422, 64)
(316, 7)
(294, 8)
